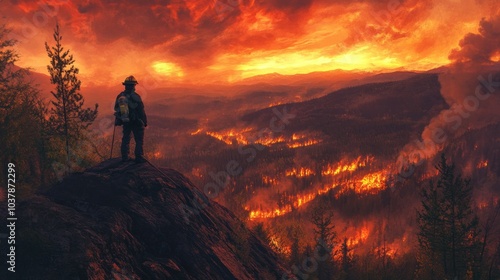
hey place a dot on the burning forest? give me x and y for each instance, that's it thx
(357, 155)
(334, 141)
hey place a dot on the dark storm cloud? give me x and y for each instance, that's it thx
(479, 48)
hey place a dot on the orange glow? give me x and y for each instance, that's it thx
(360, 237)
(302, 172)
(303, 144)
(482, 164)
(269, 180)
(268, 141)
(373, 182)
(276, 244)
(257, 214)
(196, 132)
(167, 69)
(157, 155)
(344, 166)
(296, 137)
(482, 205)
(224, 41)
(241, 137)
(430, 174)
(274, 104)
(302, 140)
(229, 136)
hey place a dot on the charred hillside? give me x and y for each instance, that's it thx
(134, 221)
(375, 118)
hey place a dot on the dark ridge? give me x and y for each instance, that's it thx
(135, 221)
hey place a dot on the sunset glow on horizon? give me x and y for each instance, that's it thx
(229, 40)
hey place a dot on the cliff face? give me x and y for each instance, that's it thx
(133, 221)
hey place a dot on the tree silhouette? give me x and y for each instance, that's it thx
(21, 117)
(448, 228)
(68, 117)
(326, 236)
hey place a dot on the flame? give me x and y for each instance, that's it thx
(482, 204)
(229, 136)
(373, 182)
(303, 144)
(347, 167)
(429, 175)
(258, 214)
(197, 172)
(302, 172)
(482, 164)
(275, 104)
(157, 155)
(276, 244)
(360, 237)
(390, 251)
(298, 201)
(196, 132)
(269, 180)
(240, 137)
(268, 141)
(296, 137)
(301, 140)
(370, 183)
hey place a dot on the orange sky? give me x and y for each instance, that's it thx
(204, 41)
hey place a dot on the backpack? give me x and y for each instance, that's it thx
(127, 107)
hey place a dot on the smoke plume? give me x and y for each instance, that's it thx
(470, 86)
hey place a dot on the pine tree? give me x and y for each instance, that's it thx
(21, 117)
(325, 241)
(346, 260)
(68, 117)
(448, 228)
(294, 233)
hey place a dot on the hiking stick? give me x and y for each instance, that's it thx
(112, 143)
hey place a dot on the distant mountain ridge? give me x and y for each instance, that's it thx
(358, 116)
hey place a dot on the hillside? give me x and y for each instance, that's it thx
(371, 117)
(133, 221)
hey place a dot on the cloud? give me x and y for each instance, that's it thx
(481, 47)
(209, 37)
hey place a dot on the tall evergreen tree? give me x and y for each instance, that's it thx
(325, 242)
(448, 228)
(346, 260)
(68, 117)
(21, 116)
(294, 234)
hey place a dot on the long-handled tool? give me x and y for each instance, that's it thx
(112, 143)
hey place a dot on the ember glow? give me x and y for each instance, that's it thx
(301, 144)
(220, 40)
(300, 172)
(482, 164)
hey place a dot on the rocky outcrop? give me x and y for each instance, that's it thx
(135, 221)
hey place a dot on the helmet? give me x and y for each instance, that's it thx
(130, 80)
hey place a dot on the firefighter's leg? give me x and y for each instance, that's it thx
(125, 148)
(139, 142)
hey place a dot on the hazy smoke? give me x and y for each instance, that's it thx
(470, 86)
